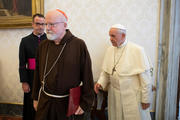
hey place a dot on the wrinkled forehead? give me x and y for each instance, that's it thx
(113, 30)
(54, 16)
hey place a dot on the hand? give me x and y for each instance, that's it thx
(153, 88)
(79, 111)
(25, 87)
(35, 104)
(97, 86)
(145, 105)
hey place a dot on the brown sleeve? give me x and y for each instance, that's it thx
(36, 81)
(87, 96)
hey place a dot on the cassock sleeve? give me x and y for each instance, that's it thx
(22, 62)
(104, 80)
(36, 81)
(146, 84)
(87, 96)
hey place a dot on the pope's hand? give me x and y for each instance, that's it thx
(145, 105)
(97, 86)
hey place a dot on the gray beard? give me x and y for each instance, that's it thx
(51, 36)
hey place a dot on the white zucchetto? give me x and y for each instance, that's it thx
(119, 26)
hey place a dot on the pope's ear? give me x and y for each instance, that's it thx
(123, 36)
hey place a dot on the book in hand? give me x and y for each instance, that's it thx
(74, 99)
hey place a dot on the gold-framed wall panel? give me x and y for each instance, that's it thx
(22, 21)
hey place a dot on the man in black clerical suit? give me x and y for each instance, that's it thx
(27, 51)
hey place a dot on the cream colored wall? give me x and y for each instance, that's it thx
(89, 20)
(10, 88)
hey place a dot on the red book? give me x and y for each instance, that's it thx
(74, 99)
(31, 63)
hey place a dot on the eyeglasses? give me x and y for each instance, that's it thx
(39, 24)
(52, 24)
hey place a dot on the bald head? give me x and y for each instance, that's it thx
(57, 15)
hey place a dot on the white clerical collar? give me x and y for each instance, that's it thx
(39, 35)
(124, 43)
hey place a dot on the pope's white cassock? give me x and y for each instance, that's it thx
(126, 76)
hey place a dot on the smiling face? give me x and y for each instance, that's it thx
(116, 37)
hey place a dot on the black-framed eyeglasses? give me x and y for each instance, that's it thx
(52, 24)
(39, 24)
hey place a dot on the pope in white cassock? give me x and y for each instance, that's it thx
(126, 76)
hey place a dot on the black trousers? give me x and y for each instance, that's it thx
(85, 116)
(28, 109)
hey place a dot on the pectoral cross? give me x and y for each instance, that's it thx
(113, 70)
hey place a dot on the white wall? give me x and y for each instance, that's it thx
(89, 20)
